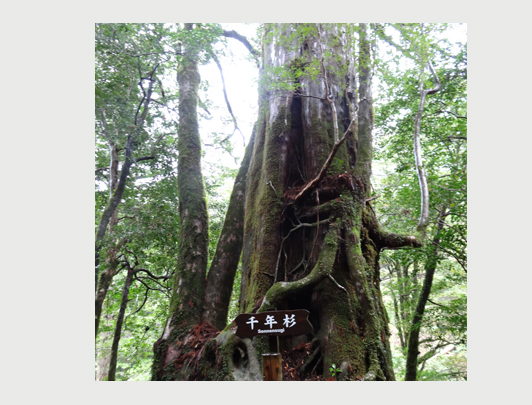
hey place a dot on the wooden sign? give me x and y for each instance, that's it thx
(274, 323)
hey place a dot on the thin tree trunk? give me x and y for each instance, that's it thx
(413, 337)
(404, 301)
(105, 281)
(225, 262)
(397, 307)
(121, 186)
(424, 216)
(118, 327)
(111, 262)
(415, 282)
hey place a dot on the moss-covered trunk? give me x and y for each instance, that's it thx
(311, 239)
(415, 326)
(228, 249)
(111, 262)
(118, 326)
(186, 305)
(318, 250)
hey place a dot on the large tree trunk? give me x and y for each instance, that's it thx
(311, 240)
(320, 250)
(330, 265)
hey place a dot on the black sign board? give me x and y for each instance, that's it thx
(274, 323)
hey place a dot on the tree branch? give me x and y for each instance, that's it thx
(437, 87)
(152, 276)
(144, 158)
(325, 221)
(387, 240)
(435, 303)
(424, 216)
(243, 40)
(142, 305)
(326, 165)
(372, 198)
(215, 58)
(164, 290)
(150, 288)
(452, 254)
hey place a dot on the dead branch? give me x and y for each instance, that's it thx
(326, 165)
(372, 198)
(325, 221)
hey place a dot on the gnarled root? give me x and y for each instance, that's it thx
(281, 290)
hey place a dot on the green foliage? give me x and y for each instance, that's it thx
(334, 370)
(140, 330)
(291, 37)
(443, 141)
(127, 56)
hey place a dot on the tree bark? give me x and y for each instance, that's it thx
(187, 301)
(415, 327)
(339, 279)
(227, 256)
(116, 197)
(311, 239)
(118, 327)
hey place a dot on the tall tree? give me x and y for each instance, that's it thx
(127, 68)
(300, 229)
(311, 239)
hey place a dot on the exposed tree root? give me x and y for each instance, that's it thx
(306, 365)
(281, 290)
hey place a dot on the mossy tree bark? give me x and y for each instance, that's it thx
(118, 326)
(310, 237)
(186, 305)
(228, 249)
(111, 261)
(318, 251)
(415, 326)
